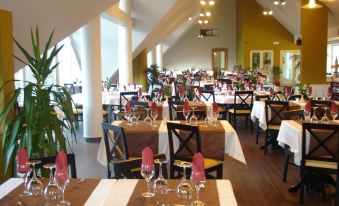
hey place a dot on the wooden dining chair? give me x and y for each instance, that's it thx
(208, 96)
(51, 159)
(258, 129)
(294, 97)
(321, 156)
(278, 96)
(70, 87)
(242, 107)
(188, 137)
(172, 104)
(275, 109)
(126, 96)
(290, 115)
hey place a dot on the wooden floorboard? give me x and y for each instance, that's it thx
(257, 183)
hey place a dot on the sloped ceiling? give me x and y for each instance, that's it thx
(64, 16)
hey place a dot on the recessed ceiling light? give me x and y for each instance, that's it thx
(205, 21)
(270, 12)
(276, 2)
(283, 2)
(189, 18)
(208, 13)
(203, 2)
(211, 2)
(200, 21)
(264, 12)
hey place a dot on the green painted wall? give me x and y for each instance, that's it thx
(258, 32)
(314, 45)
(139, 69)
(6, 67)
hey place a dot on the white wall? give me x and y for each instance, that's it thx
(191, 51)
(109, 48)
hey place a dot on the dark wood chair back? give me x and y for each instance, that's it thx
(208, 96)
(278, 96)
(172, 109)
(294, 115)
(262, 97)
(70, 87)
(320, 107)
(208, 87)
(127, 96)
(277, 109)
(243, 100)
(294, 97)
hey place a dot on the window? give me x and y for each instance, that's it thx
(289, 66)
(332, 54)
(262, 60)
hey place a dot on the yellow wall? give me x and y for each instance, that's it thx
(6, 65)
(258, 32)
(139, 69)
(314, 45)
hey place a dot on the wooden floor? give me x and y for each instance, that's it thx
(257, 183)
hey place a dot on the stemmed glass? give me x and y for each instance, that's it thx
(148, 120)
(314, 118)
(154, 115)
(134, 118)
(52, 190)
(147, 172)
(22, 172)
(307, 114)
(160, 185)
(193, 119)
(128, 117)
(325, 119)
(186, 113)
(34, 186)
(334, 114)
(184, 189)
(62, 180)
(198, 179)
(215, 118)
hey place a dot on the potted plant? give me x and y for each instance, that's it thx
(152, 74)
(167, 91)
(37, 126)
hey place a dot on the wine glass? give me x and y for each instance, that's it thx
(198, 179)
(215, 118)
(147, 120)
(52, 190)
(186, 113)
(34, 186)
(147, 172)
(160, 185)
(193, 119)
(314, 118)
(62, 179)
(154, 115)
(23, 172)
(334, 114)
(134, 119)
(325, 119)
(307, 114)
(128, 117)
(184, 189)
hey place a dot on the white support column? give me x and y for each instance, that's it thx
(154, 55)
(125, 45)
(91, 79)
(159, 56)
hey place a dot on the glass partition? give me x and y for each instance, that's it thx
(289, 67)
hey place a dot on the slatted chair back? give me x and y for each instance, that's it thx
(115, 145)
(262, 97)
(243, 100)
(188, 137)
(278, 96)
(172, 110)
(294, 115)
(225, 81)
(294, 97)
(47, 160)
(208, 96)
(130, 169)
(177, 86)
(274, 111)
(70, 87)
(139, 104)
(193, 93)
(124, 97)
(208, 87)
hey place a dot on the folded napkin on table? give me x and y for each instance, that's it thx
(128, 107)
(186, 106)
(334, 107)
(308, 106)
(215, 107)
(147, 157)
(160, 93)
(154, 107)
(61, 166)
(140, 92)
(22, 159)
(198, 168)
(329, 93)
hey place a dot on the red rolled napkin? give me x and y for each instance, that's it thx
(135, 86)
(308, 106)
(124, 88)
(198, 169)
(228, 87)
(199, 91)
(147, 159)
(215, 107)
(160, 93)
(128, 107)
(287, 92)
(261, 86)
(271, 91)
(61, 166)
(329, 91)
(154, 107)
(186, 106)
(140, 92)
(22, 160)
(334, 107)
(250, 87)
(310, 90)
(181, 92)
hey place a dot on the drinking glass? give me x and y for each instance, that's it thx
(193, 119)
(314, 118)
(62, 180)
(215, 118)
(154, 115)
(34, 185)
(307, 114)
(325, 119)
(334, 115)
(186, 113)
(147, 120)
(184, 189)
(147, 172)
(160, 185)
(128, 117)
(134, 118)
(23, 172)
(52, 190)
(198, 179)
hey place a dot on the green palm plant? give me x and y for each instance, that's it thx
(37, 126)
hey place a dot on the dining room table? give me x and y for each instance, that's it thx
(119, 192)
(216, 140)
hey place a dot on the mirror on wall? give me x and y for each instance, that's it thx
(219, 58)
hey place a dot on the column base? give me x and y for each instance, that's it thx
(92, 139)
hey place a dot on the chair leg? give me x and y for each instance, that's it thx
(302, 185)
(286, 161)
(246, 122)
(337, 191)
(235, 122)
(257, 131)
(266, 142)
(219, 172)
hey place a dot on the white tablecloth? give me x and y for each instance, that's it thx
(232, 143)
(118, 192)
